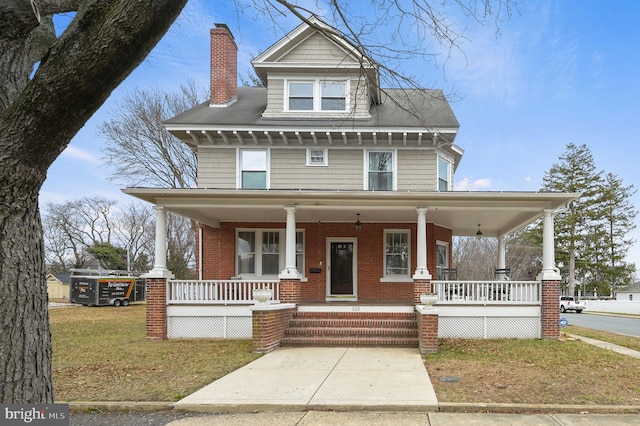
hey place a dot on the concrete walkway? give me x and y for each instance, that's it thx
(608, 346)
(345, 379)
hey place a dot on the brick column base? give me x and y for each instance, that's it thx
(419, 287)
(550, 311)
(427, 329)
(269, 324)
(290, 290)
(156, 308)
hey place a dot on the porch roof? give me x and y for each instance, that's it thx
(498, 213)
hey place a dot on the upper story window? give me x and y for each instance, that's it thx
(380, 171)
(317, 95)
(317, 157)
(254, 167)
(444, 175)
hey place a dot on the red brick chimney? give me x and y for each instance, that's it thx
(224, 66)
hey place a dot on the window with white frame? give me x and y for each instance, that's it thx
(253, 164)
(442, 260)
(261, 252)
(317, 95)
(396, 253)
(380, 170)
(317, 157)
(444, 175)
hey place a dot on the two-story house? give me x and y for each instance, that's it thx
(337, 190)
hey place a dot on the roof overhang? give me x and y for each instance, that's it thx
(498, 213)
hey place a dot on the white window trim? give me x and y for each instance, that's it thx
(239, 166)
(395, 278)
(366, 168)
(317, 94)
(258, 252)
(324, 157)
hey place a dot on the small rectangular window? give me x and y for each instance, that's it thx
(316, 157)
(443, 175)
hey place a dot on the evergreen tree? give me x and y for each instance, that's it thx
(575, 172)
(618, 217)
(591, 233)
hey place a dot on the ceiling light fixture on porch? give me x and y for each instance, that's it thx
(358, 223)
(479, 233)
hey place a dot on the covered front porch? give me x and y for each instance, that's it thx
(353, 251)
(466, 309)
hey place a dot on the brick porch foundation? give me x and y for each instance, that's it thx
(550, 312)
(269, 324)
(290, 290)
(156, 308)
(419, 287)
(427, 329)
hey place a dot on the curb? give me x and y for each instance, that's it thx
(442, 407)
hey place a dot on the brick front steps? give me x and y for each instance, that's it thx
(352, 329)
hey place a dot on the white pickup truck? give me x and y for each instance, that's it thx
(568, 303)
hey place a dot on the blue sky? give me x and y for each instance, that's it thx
(558, 71)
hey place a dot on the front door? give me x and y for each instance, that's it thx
(341, 276)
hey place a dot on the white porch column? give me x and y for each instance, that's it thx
(160, 259)
(502, 253)
(549, 270)
(290, 270)
(421, 268)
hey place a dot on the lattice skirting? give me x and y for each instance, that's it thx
(486, 327)
(228, 327)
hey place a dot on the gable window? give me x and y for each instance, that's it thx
(444, 173)
(396, 253)
(301, 96)
(333, 96)
(317, 95)
(261, 252)
(253, 168)
(316, 157)
(380, 170)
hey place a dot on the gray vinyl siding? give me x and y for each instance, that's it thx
(275, 96)
(358, 91)
(344, 172)
(317, 49)
(416, 170)
(217, 168)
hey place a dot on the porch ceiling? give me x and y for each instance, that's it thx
(498, 213)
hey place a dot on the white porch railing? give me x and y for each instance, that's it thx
(220, 292)
(488, 292)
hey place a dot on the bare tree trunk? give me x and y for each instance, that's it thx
(38, 118)
(25, 340)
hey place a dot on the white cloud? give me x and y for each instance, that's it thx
(75, 153)
(470, 184)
